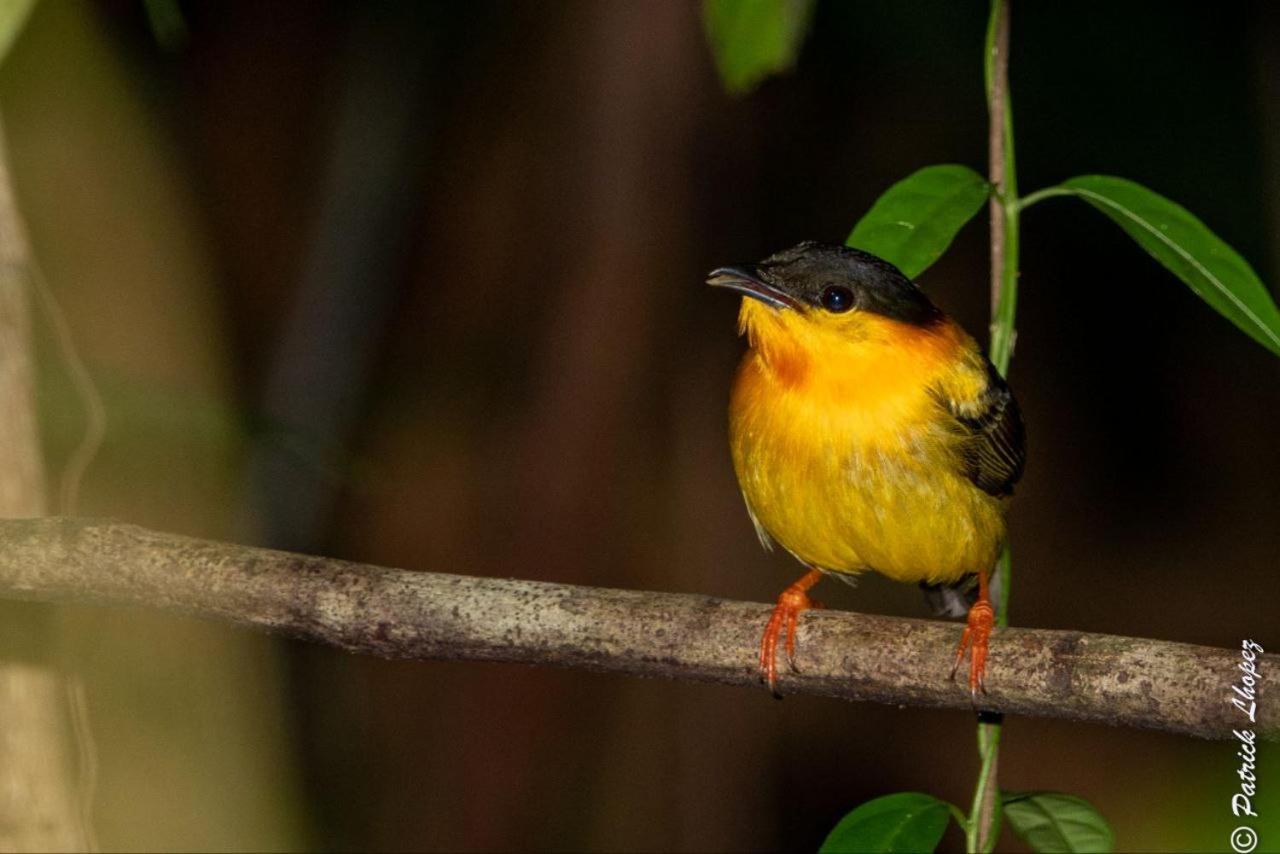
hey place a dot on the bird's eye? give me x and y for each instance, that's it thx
(836, 298)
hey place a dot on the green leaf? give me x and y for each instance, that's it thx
(1054, 822)
(1193, 253)
(914, 222)
(752, 39)
(13, 16)
(905, 822)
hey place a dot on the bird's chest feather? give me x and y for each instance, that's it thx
(853, 468)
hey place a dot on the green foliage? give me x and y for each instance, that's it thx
(752, 39)
(1186, 246)
(914, 222)
(905, 822)
(1053, 822)
(13, 16)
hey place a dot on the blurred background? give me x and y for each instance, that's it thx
(421, 285)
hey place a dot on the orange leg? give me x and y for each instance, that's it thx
(791, 603)
(974, 639)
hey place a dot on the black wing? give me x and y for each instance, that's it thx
(994, 444)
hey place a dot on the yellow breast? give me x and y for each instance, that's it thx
(844, 457)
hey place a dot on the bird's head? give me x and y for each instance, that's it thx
(824, 303)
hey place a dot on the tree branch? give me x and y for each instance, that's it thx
(41, 806)
(397, 613)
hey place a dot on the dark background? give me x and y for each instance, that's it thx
(421, 285)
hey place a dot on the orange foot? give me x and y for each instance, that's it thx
(791, 604)
(976, 634)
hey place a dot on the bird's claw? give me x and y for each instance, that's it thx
(975, 639)
(782, 625)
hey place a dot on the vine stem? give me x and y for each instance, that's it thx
(982, 827)
(1004, 206)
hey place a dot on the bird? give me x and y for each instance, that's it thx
(869, 433)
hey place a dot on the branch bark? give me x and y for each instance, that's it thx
(397, 613)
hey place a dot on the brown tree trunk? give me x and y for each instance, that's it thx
(40, 803)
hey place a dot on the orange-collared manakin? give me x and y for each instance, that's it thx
(868, 432)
